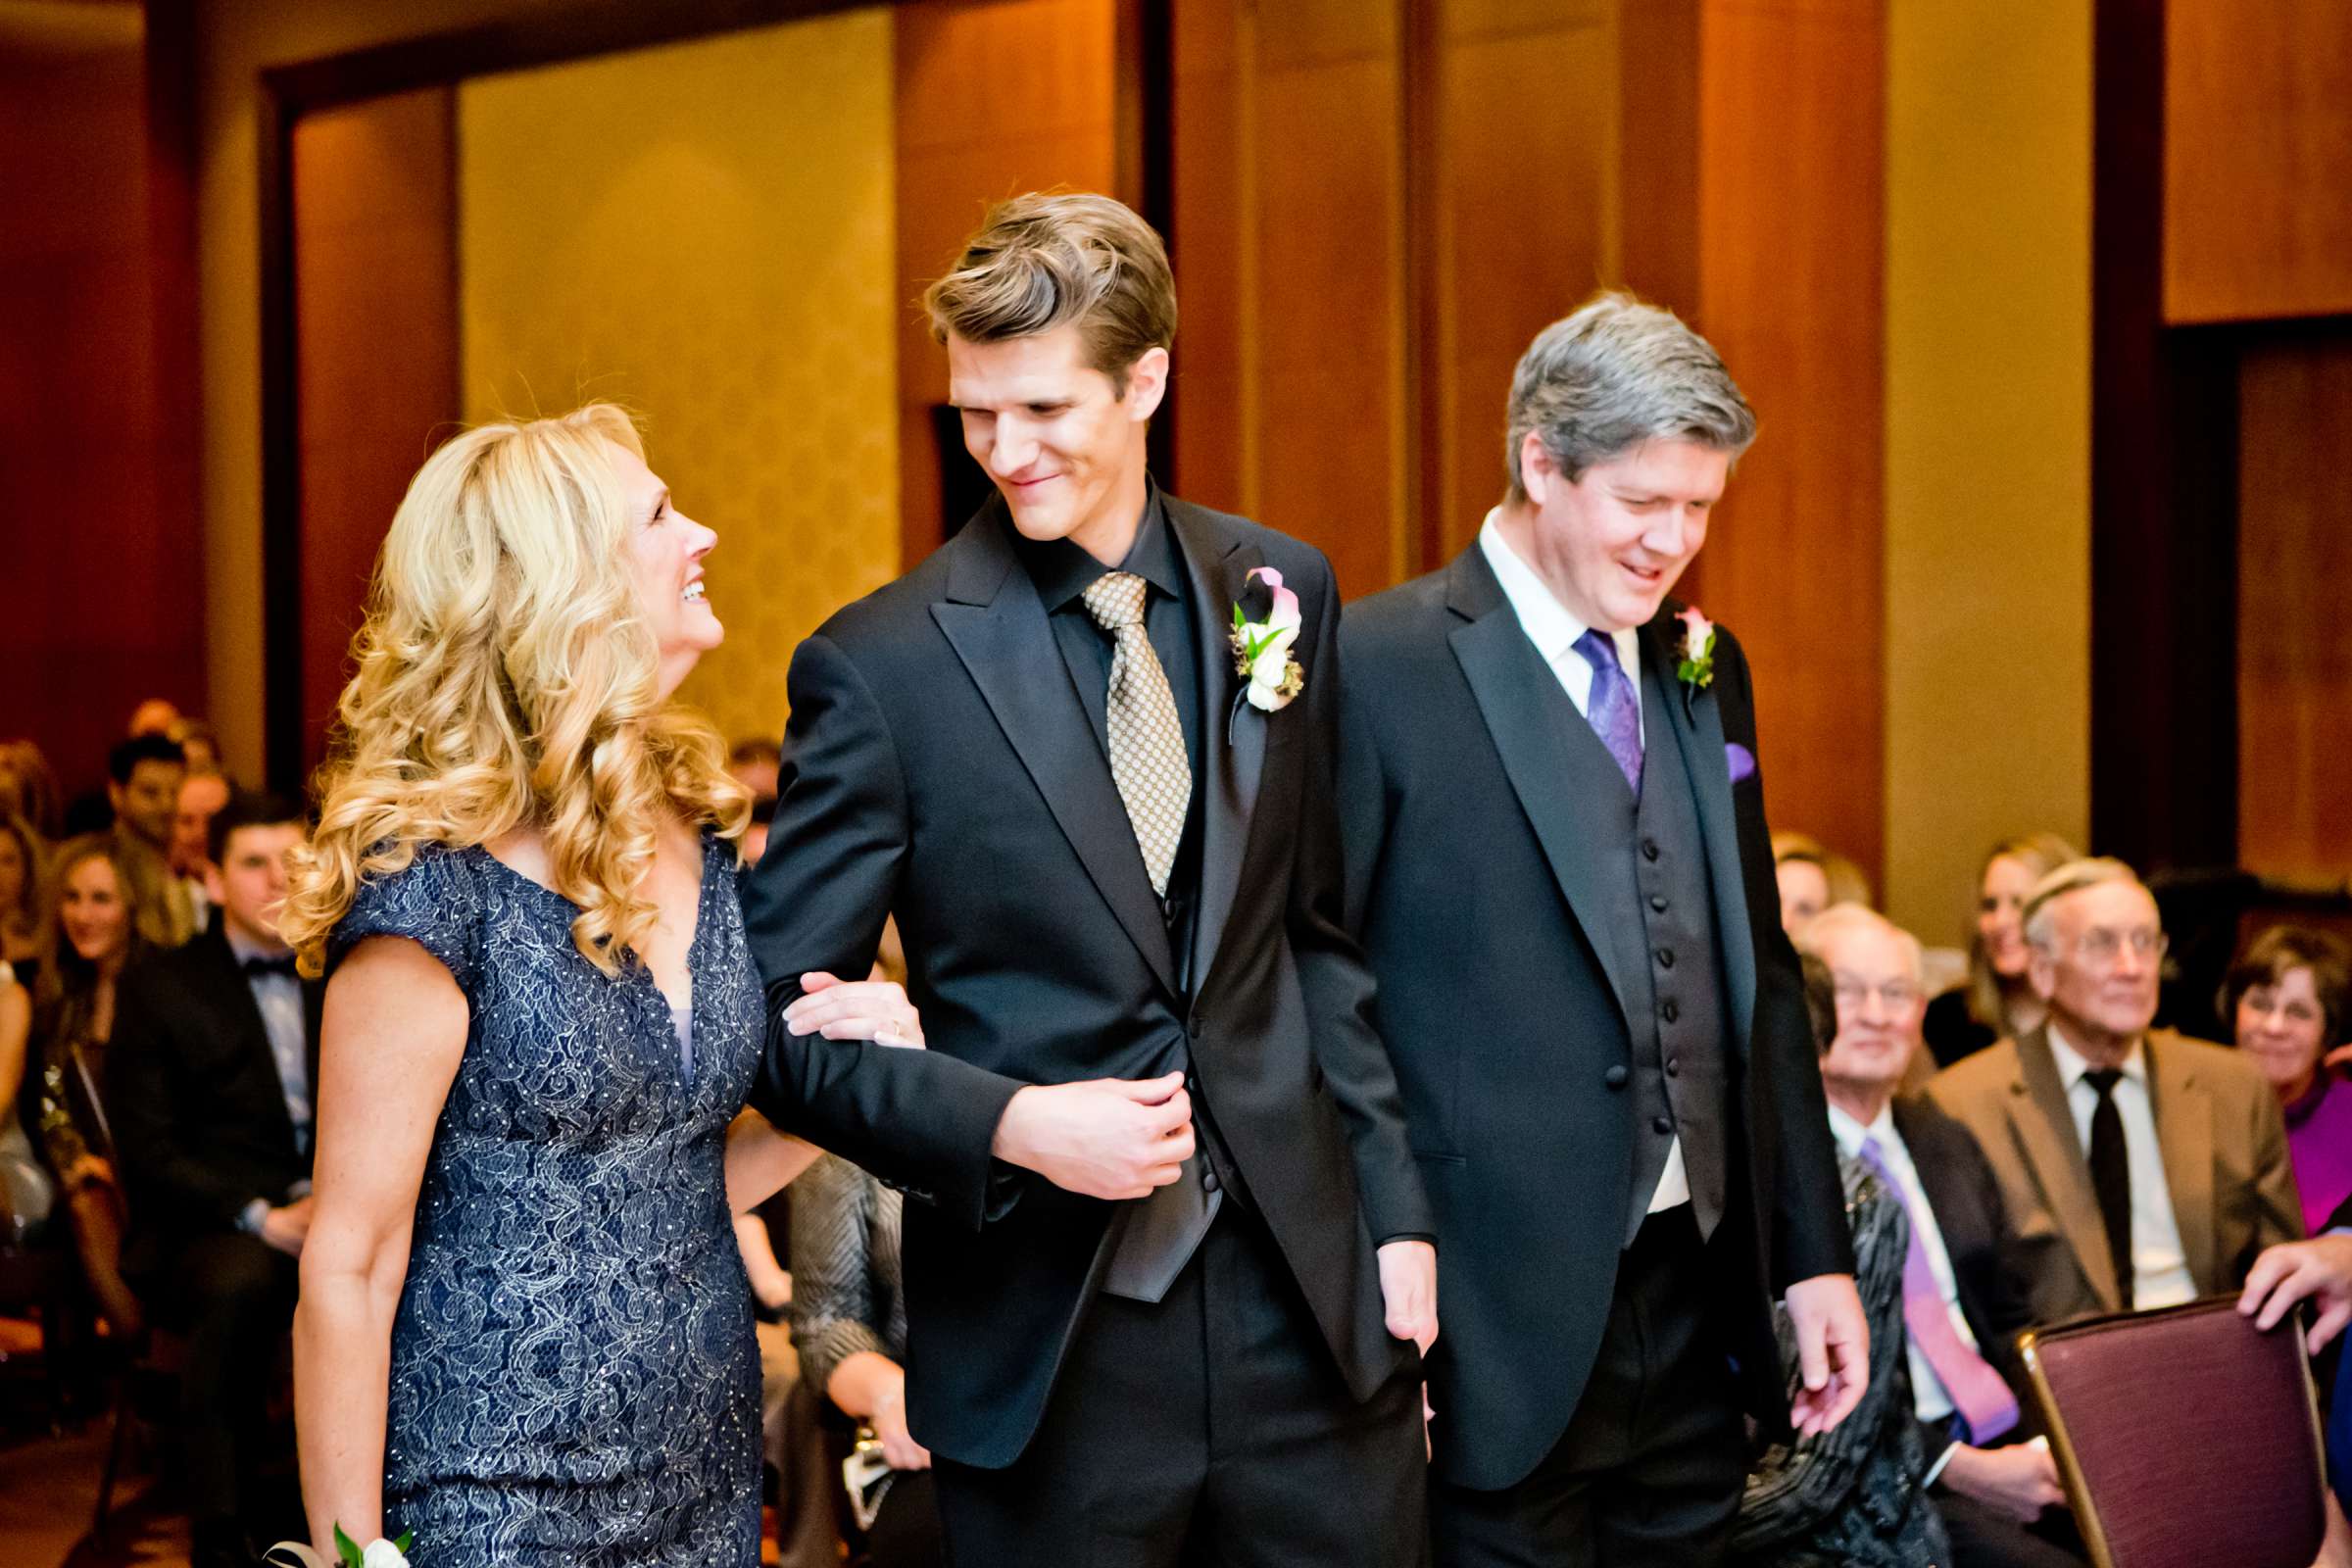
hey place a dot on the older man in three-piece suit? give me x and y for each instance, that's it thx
(1558, 864)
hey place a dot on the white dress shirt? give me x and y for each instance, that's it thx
(2160, 1274)
(1929, 1399)
(1553, 630)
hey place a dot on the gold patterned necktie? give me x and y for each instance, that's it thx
(1147, 743)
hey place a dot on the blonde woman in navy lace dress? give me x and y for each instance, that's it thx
(525, 1332)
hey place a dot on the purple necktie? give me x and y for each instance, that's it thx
(1616, 718)
(1978, 1392)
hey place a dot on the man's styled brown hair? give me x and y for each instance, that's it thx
(1055, 258)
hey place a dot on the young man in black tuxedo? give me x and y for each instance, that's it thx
(1113, 857)
(209, 1082)
(1558, 864)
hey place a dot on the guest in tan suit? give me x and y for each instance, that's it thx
(2140, 1168)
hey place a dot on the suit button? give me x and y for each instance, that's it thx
(1616, 1077)
(1665, 958)
(1668, 1011)
(1674, 1067)
(1192, 1084)
(1650, 849)
(1661, 1125)
(1208, 1179)
(1658, 903)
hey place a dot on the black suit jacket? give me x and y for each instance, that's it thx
(192, 1089)
(1470, 883)
(939, 765)
(1966, 1197)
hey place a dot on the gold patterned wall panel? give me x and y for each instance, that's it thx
(704, 232)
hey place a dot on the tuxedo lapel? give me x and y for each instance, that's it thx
(1695, 720)
(2044, 1125)
(2185, 1135)
(996, 624)
(1233, 734)
(231, 1000)
(1520, 700)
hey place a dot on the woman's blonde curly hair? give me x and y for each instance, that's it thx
(508, 678)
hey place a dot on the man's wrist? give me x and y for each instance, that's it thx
(1010, 1142)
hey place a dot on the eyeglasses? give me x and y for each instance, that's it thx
(1895, 995)
(2104, 946)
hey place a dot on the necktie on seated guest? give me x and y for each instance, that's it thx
(2111, 1176)
(283, 964)
(1615, 716)
(1983, 1402)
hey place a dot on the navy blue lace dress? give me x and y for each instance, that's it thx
(575, 1378)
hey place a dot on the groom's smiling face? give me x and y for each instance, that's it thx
(1063, 440)
(1612, 543)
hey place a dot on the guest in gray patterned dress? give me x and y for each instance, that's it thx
(526, 1331)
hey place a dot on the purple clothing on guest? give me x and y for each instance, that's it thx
(2319, 1141)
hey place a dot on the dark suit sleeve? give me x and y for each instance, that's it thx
(1808, 1210)
(159, 1170)
(919, 1119)
(1331, 966)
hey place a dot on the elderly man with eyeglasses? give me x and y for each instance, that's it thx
(2140, 1168)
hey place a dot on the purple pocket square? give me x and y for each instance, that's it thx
(1741, 761)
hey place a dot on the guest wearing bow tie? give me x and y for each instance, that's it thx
(209, 1080)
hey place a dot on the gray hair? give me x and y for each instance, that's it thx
(2073, 877)
(1596, 384)
(1855, 919)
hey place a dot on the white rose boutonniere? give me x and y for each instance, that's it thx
(1695, 658)
(1263, 648)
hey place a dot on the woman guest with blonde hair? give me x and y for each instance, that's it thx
(1998, 1002)
(526, 1331)
(102, 918)
(1812, 876)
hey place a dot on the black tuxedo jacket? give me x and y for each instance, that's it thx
(939, 765)
(192, 1089)
(1474, 891)
(1966, 1197)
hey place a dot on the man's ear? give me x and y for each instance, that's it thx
(1539, 474)
(2041, 972)
(1147, 383)
(215, 890)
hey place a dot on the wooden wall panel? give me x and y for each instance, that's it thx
(2294, 651)
(992, 99)
(102, 602)
(1790, 202)
(375, 303)
(2257, 158)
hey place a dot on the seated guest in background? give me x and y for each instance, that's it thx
(1812, 876)
(1999, 1002)
(94, 932)
(27, 789)
(849, 1321)
(2139, 1168)
(200, 746)
(145, 773)
(20, 869)
(26, 1190)
(200, 795)
(156, 715)
(1961, 1308)
(2286, 1001)
(1855, 1495)
(209, 1080)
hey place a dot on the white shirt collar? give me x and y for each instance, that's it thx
(1549, 624)
(1851, 1134)
(2073, 1065)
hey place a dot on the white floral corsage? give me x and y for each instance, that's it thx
(377, 1553)
(1263, 648)
(1695, 660)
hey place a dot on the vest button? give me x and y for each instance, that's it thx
(1665, 958)
(1616, 1076)
(1650, 849)
(1668, 1011)
(1658, 903)
(1661, 1125)
(1208, 1179)
(1674, 1067)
